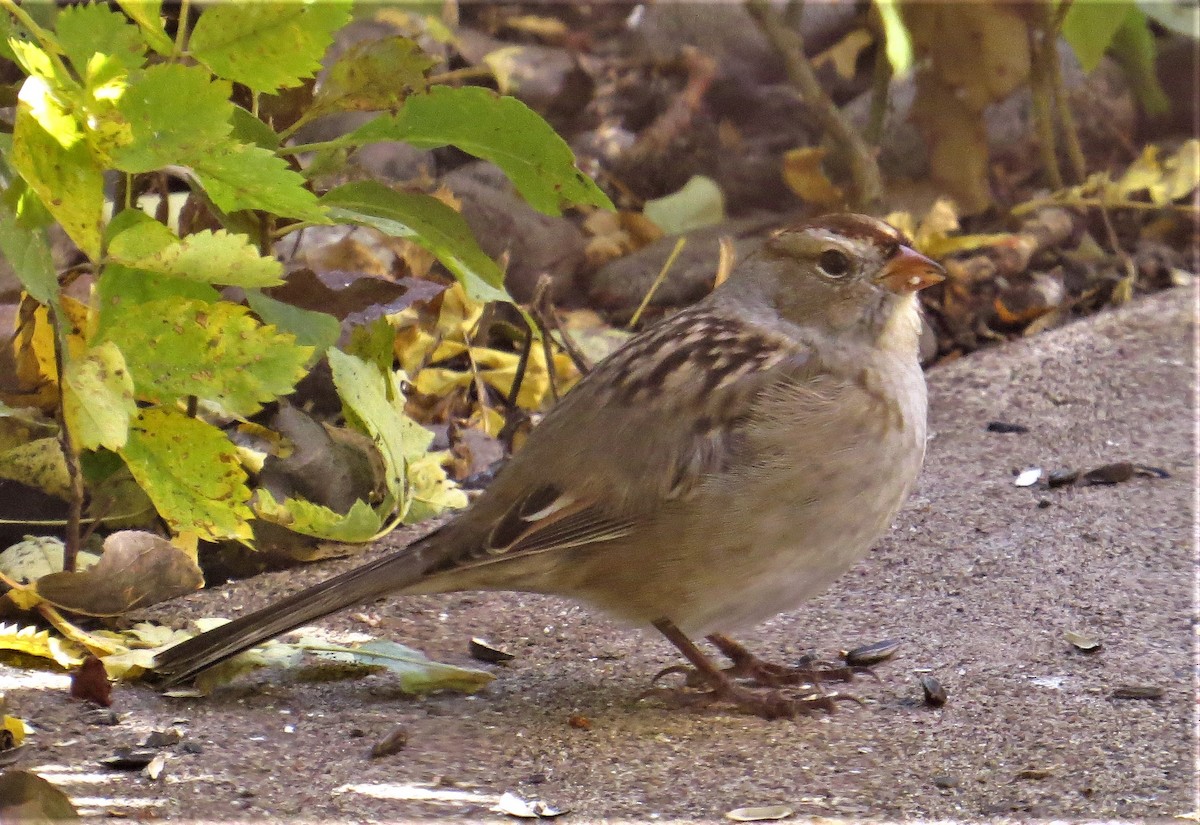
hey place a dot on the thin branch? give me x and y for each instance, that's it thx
(868, 184)
(1040, 88)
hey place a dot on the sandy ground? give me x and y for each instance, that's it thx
(980, 579)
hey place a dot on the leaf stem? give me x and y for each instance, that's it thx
(181, 25)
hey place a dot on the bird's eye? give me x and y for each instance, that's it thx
(834, 263)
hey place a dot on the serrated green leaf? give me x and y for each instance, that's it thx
(311, 328)
(376, 406)
(418, 673)
(177, 115)
(429, 222)
(98, 398)
(209, 257)
(359, 524)
(50, 153)
(146, 13)
(373, 75)
(86, 30)
(248, 177)
(178, 347)
(267, 46)
(497, 128)
(29, 256)
(191, 472)
(121, 290)
(250, 130)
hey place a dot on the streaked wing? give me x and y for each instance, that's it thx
(572, 485)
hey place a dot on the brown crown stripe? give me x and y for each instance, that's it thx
(859, 227)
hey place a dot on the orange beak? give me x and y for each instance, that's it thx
(909, 271)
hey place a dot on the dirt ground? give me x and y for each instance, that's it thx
(979, 578)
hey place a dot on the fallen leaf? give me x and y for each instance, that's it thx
(26, 797)
(760, 813)
(803, 174)
(137, 569)
(1082, 643)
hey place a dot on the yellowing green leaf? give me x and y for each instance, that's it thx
(86, 30)
(267, 46)
(177, 347)
(15, 727)
(98, 398)
(418, 674)
(249, 177)
(375, 405)
(146, 13)
(39, 464)
(359, 524)
(190, 471)
(431, 490)
(373, 75)
(177, 115)
(1090, 26)
(210, 257)
(50, 152)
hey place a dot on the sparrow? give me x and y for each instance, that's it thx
(721, 467)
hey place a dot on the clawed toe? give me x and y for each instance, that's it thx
(749, 683)
(769, 703)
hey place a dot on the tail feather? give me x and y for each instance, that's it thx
(384, 575)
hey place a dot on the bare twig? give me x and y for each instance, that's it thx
(868, 184)
(1041, 44)
(71, 541)
(542, 311)
(1051, 26)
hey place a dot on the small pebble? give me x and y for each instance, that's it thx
(394, 742)
(935, 694)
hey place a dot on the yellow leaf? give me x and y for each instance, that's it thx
(844, 53)
(1183, 171)
(438, 381)
(39, 643)
(15, 727)
(803, 174)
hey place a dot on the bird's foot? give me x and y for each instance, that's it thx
(750, 684)
(769, 703)
(809, 671)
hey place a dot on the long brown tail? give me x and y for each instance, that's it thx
(384, 575)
